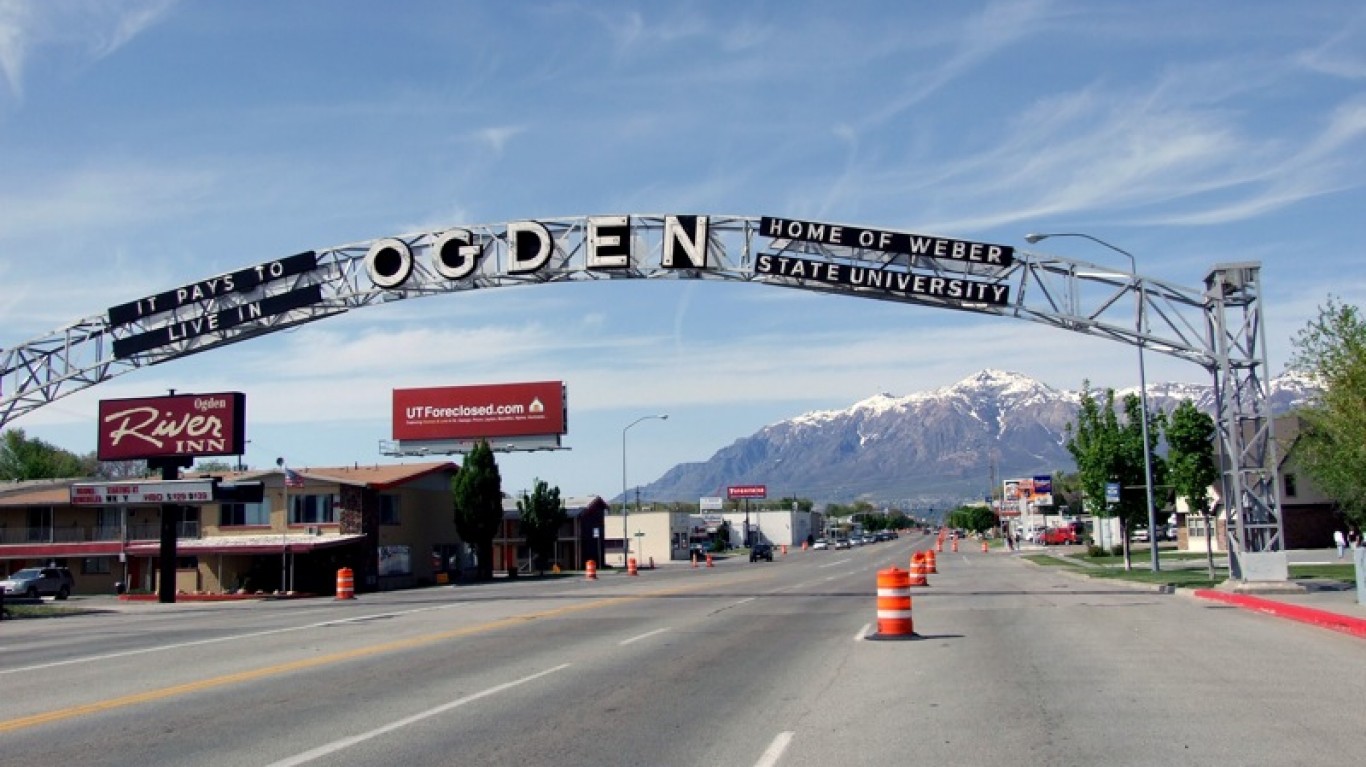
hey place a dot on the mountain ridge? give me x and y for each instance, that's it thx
(925, 449)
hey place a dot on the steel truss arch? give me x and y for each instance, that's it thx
(1217, 327)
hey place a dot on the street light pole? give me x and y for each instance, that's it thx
(1142, 381)
(625, 529)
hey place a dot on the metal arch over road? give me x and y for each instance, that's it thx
(1217, 326)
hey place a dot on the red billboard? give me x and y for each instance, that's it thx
(484, 411)
(736, 492)
(180, 425)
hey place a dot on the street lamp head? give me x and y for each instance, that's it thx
(663, 416)
(1032, 237)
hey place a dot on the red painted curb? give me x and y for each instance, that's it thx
(1322, 618)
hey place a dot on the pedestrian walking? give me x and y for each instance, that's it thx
(1340, 541)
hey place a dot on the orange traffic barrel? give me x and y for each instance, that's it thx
(894, 605)
(939, 545)
(631, 567)
(709, 564)
(930, 566)
(916, 576)
(955, 544)
(592, 571)
(984, 545)
(346, 584)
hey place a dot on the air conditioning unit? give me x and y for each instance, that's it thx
(315, 530)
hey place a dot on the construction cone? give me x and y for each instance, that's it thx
(592, 571)
(916, 577)
(931, 566)
(984, 545)
(894, 606)
(954, 547)
(784, 549)
(694, 559)
(709, 564)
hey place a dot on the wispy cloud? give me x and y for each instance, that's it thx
(85, 31)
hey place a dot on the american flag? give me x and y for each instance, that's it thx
(293, 478)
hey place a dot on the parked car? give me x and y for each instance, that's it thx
(821, 544)
(34, 582)
(843, 543)
(761, 551)
(1060, 536)
(1139, 535)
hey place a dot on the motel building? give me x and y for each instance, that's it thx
(392, 525)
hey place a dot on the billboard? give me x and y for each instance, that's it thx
(177, 425)
(736, 492)
(483, 411)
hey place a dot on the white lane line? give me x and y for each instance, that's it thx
(742, 601)
(215, 640)
(344, 743)
(647, 634)
(775, 750)
(836, 563)
(863, 632)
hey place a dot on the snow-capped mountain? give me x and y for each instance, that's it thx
(923, 449)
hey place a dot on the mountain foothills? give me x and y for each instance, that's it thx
(924, 450)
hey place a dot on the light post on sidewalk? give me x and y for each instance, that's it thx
(625, 503)
(1142, 380)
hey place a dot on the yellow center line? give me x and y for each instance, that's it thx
(21, 723)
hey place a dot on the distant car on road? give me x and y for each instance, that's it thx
(760, 551)
(843, 543)
(34, 582)
(821, 544)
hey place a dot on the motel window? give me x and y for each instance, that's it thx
(96, 565)
(1289, 480)
(312, 509)
(243, 514)
(388, 510)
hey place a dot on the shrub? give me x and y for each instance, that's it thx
(1093, 550)
(1117, 550)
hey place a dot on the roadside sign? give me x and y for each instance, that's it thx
(1112, 492)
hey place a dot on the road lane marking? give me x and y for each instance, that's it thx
(646, 635)
(215, 640)
(863, 632)
(775, 749)
(742, 601)
(25, 722)
(347, 742)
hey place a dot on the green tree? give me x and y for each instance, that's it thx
(542, 515)
(1331, 350)
(478, 500)
(23, 458)
(1192, 466)
(977, 519)
(1107, 450)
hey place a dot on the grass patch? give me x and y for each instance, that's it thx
(29, 612)
(1344, 573)
(1049, 560)
(1192, 579)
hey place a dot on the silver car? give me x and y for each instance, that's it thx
(34, 582)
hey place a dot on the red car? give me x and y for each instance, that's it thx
(1058, 536)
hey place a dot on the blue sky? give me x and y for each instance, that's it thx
(147, 145)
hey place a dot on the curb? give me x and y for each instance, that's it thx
(1321, 618)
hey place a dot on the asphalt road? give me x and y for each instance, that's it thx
(741, 664)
